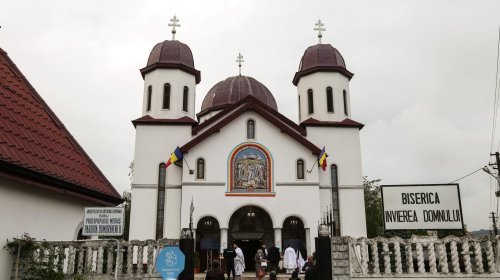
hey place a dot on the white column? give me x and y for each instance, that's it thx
(308, 242)
(223, 239)
(277, 238)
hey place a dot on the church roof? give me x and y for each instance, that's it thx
(345, 123)
(321, 58)
(36, 148)
(171, 54)
(234, 89)
(250, 102)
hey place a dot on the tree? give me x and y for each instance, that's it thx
(373, 208)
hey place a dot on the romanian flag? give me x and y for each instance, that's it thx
(174, 157)
(322, 159)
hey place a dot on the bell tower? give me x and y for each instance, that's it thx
(323, 83)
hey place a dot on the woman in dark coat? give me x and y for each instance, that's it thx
(260, 270)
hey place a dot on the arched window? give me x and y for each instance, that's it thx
(250, 129)
(166, 96)
(185, 99)
(345, 103)
(329, 100)
(150, 95)
(160, 204)
(200, 169)
(300, 169)
(310, 104)
(335, 198)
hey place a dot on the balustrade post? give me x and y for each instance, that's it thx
(150, 258)
(454, 256)
(490, 256)
(364, 256)
(140, 250)
(432, 258)
(443, 259)
(420, 257)
(478, 257)
(100, 259)
(387, 257)
(130, 258)
(375, 263)
(466, 255)
(397, 257)
(110, 260)
(409, 257)
(90, 258)
(71, 260)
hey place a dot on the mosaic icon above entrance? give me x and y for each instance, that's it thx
(250, 171)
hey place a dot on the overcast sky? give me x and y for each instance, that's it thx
(424, 78)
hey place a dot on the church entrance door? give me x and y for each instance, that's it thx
(251, 227)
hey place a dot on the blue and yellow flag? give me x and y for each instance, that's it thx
(174, 157)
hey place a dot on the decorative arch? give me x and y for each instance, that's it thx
(250, 171)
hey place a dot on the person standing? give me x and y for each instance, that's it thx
(239, 261)
(215, 273)
(229, 255)
(273, 256)
(290, 259)
(260, 268)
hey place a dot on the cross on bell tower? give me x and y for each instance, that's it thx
(319, 27)
(239, 59)
(174, 23)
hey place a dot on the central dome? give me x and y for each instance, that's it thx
(232, 90)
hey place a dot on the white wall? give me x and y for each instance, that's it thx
(343, 147)
(153, 145)
(41, 213)
(318, 82)
(177, 80)
(293, 197)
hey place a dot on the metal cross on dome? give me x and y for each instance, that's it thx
(239, 59)
(319, 27)
(174, 23)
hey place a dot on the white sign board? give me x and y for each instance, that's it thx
(429, 207)
(103, 221)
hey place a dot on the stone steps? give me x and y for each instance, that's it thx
(250, 276)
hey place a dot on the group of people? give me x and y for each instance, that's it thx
(265, 260)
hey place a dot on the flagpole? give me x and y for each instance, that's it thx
(309, 171)
(191, 171)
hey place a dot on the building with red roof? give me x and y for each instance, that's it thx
(46, 178)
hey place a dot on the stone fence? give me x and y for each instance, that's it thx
(417, 257)
(97, 259)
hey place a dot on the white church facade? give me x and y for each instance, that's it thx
(250, 172)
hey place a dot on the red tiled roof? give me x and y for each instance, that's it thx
(33, 140)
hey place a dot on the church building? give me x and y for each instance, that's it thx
(251, 173)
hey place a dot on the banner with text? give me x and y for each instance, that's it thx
(428, 207)
(103, 221)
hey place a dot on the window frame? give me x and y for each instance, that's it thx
(185, 99)
(252, 130)
(344, 93)
(330, 108)
(149, 98)
(202, 161)
(166, 104)
(297, 173)
(161, 198)
(310, 102)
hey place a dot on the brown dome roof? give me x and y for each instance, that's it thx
(232, 90)
(321, 57)
(171, 54)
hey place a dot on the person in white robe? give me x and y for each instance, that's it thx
(300, 261)
(290, 260)
(239, 261)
